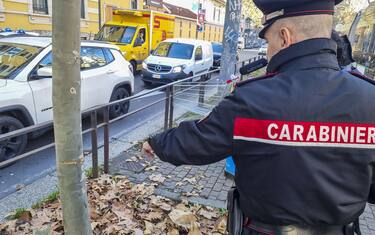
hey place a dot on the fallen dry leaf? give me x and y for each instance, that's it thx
(194, 229)
(149, 228)
(208, 214)
(190, 194)
(151, 168)
(182, 218)
(157, 178)
(191, 180)
(173, 232)
(119, 207)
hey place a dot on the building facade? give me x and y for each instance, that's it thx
(186, 25)
(36, 15)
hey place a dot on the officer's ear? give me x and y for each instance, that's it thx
(286, 37)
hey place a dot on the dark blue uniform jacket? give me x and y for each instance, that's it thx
(302, 138)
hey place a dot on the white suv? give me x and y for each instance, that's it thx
(26, 84)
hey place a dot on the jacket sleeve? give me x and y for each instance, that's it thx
(200, 142)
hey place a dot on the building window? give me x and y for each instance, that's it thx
(134, 4)
(83, 15)
(40, 6)
(214, 18)
(218, 15)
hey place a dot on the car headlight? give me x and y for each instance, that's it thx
(178, 69)
(144, 65)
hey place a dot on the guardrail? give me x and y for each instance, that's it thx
(170, 93)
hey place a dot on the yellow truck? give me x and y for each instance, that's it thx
(137, 33)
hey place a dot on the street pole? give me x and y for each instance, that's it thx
(196, 31)
(66, 99)
(100, 13)
(230, 39)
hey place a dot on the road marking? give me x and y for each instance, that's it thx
(155, 93)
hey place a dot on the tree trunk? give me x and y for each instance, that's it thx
(67, 115)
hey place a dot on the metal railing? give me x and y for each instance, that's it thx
(200, 88)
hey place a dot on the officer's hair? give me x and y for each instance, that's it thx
(308, 26)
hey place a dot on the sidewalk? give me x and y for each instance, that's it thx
(205, 185)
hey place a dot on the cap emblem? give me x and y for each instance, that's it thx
(272, 16)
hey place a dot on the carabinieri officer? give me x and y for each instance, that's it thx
(302, 136)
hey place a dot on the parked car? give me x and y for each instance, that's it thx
(263, 49)
(26, 84)
(176, 59)
(217, 49)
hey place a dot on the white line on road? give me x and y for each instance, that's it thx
(148, 95)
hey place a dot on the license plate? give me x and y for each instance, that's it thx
(156, 76)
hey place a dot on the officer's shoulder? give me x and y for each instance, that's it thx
(256, 79)
(362, 77)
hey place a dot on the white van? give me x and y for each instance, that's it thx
(176, 59)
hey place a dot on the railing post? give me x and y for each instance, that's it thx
(106, 139)
(171, 106)
(94, 144)
(242, 76)
(167, 102)
(201, 94)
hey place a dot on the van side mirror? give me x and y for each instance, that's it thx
(44, 72)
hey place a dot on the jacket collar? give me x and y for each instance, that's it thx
(312, 53)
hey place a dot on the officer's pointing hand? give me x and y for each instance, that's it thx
(147, 149)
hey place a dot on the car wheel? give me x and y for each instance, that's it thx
(121, 108)
(14, 146)
(134, 65)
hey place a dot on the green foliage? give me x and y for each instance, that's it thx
(223, 211)
(16, 214)
(89, 172)
(50, 198)
(250, 10)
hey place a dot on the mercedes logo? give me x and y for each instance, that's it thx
(158, 68)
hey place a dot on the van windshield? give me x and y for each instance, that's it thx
(14, 56)
(174, 50)
(112, 33)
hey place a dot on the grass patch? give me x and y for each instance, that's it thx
(16, 214)
(89, 172)
(139, 145)
(223, 211)
(50, 198)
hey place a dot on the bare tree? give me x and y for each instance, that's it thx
(67, 115)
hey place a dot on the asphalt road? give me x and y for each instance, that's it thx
(38, 165)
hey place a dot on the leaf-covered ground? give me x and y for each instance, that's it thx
(119, 207)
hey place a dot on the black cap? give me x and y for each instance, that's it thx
(277, 9)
